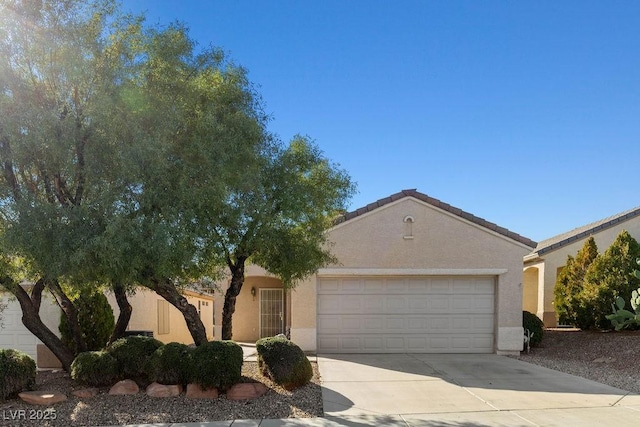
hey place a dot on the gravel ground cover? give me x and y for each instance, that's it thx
(104, 409)
(606, 357)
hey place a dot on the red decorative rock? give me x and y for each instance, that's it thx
(125, 387)
(194, 391)
(42, 397)
(85, 393)
(246, 391)
(161, 390)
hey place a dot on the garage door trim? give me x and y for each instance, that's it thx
(340, 272)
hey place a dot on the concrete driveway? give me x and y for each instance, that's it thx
(465, 390)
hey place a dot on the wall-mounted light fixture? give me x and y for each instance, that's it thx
(253, 292)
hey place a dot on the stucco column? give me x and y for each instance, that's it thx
(509, 340)
(303, 314)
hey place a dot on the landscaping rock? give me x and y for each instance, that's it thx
(194, 391)
(125, 387)
(246, 391)
(85, 393)
(42, 397)
(162, 390)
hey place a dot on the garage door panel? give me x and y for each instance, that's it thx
(413, 314)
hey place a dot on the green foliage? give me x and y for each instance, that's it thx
(216, 364)
(95, 317)
(284, 362)
(17, 373)
(132, 355)
(169, 364)
(570, 283)
(533, 323)
(609, 276)
(589, 282)
(625, 319)
(95, 368)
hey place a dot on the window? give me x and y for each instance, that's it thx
(163, 317)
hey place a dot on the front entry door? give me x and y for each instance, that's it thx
(271, 312)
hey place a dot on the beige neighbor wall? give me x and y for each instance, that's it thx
(554, 260)
(13, 333)
(144, 317)
(436, 243)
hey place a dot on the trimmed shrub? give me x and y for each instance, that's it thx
(533, 323)
(570, 283)
(170, 364)
(95, 317)
(611, 275)
(284, 362)
(133, 354)
(95, 368)
(17, 372)
(216, 364)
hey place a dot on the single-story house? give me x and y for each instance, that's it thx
(415, 275)
(541, 267)
(151, 314)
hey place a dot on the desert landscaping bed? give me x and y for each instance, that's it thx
(105, 409)
(606, 357)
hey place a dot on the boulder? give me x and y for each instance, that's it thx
(125, 387)
(162, 390)
(246, 391)
(85, 393)
(194, 391)
(42, 397)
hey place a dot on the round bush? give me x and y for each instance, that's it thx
(95, 368)
(170, 364)
(284, 362)
(132, 354)
(216, 364)
(533, 323)
(17, 372)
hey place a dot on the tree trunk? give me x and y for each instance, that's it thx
(125, 312)
(31, 320)
(237, 280)
(169, 292)
(71, 312)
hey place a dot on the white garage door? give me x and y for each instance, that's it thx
(406, 314)
(13, 333)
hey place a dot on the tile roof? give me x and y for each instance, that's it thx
(585, 231)
(441, 205)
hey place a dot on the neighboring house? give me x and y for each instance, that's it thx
(414, 275)
(151, 313)
(541, 267)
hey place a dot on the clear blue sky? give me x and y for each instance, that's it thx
(526, 114)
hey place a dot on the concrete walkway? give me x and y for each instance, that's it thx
(407, 390)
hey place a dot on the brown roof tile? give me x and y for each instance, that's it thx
(441, 205)
(585, 231)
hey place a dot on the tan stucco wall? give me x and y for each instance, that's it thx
(145, 315)
(554, 260)
(440, 241)
(246, 319)
(13, 333)
(246, 322)
(436, 242)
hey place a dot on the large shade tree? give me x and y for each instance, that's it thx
(118, 145)
(278, 218)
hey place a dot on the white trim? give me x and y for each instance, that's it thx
(324, 272)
